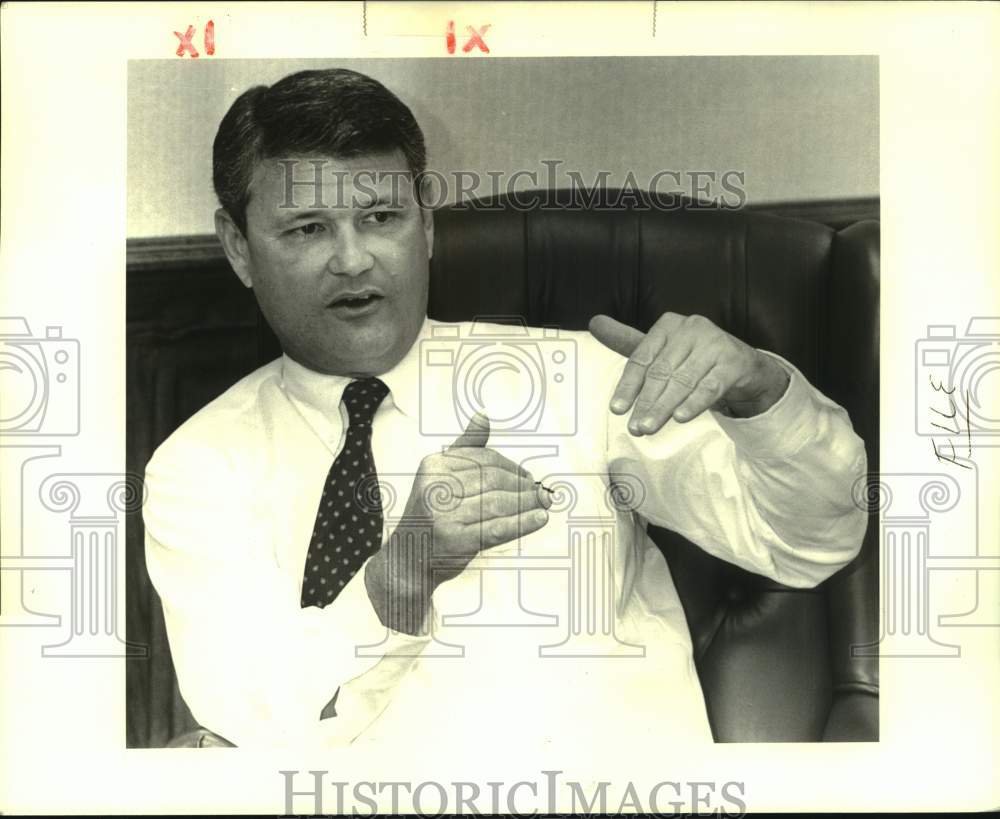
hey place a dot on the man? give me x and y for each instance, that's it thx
(348, 551)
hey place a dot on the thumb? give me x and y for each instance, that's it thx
(613, 334)
(477, 433)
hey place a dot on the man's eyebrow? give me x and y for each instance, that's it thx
(384, 199)
(286, 215)
(294, 214)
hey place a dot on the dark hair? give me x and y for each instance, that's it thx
(333, 112)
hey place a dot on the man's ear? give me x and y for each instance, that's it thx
(427, 217)
(235, 245)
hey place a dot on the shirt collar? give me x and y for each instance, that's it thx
(324, 392)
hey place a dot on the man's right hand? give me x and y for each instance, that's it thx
(471, 498)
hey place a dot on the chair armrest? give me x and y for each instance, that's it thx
(200, 738)
(853, 717)
(851, 377)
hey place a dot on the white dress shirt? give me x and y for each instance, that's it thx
(571, 636)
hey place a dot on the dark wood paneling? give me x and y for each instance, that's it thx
(174, 253)
(191, 331)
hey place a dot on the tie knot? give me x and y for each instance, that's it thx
(362, 397)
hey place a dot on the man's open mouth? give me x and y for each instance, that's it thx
(356, 302)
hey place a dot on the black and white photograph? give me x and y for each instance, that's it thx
(503, 431)
(634, 498)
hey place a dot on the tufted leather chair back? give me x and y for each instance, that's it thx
(776, 664)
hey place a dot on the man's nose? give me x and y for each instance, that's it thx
(351, 257)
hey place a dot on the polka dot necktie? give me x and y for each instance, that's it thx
(348, 528)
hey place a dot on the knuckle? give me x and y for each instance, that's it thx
(711, 332)
(685, 376)
(523, 501)
(489, 480)
(492, 506)
(660, 370)
(508, 466)
(710, 383)
(642, 406)
(457, 490)
(515, 483)
(731, 346)
(641, 358)
(432, 463)
(465, 485)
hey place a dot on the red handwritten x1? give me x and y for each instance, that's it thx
(186, 45)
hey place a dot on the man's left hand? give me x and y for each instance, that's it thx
(683, 366)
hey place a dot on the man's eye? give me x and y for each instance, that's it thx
(310, 229)
(379, 217)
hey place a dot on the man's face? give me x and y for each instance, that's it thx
(343, 286)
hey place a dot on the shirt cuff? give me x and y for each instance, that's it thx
(783, 428)
(372, 638)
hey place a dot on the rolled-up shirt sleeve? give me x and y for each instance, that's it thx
(771, 493)
(252, 664)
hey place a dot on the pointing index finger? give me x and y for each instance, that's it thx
(634, 374)
(614, 335)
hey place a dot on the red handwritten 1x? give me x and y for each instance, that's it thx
(475, 38)
(187, 47)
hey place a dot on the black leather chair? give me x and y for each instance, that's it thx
(776, 664)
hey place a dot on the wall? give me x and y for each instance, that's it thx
(801, 128)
